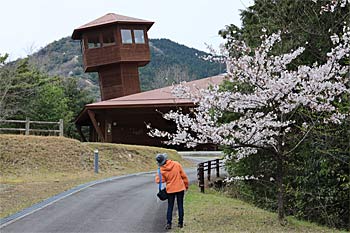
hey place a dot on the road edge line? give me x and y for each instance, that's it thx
(51, 200)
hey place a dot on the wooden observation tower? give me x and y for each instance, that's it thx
(115, 46)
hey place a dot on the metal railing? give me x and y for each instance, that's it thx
(27, 124)
(208, 166)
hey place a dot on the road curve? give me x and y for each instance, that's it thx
(124, 205)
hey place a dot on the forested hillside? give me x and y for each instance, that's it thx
(50, 84)
(168, 59)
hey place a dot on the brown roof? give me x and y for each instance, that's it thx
(109, 18)
(155, 98)
(162, 96)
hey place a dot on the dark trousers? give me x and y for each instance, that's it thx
(180, 205)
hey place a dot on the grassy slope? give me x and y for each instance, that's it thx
(33, 168)
(214, 212)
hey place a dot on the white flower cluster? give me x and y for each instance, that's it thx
(330, 7)
(235, 178)
(260, 116)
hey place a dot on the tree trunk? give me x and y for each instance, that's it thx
(280, 188)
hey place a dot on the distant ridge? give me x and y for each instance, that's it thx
(63, 58)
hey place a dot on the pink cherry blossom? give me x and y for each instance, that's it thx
(264, 113)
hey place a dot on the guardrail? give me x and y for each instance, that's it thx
(27, 130)
(208, 166)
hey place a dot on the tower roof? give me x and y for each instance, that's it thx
(107, 19)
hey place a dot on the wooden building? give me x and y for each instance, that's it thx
(125, 119)
(115, 46)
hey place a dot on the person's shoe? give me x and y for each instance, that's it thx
(168, 227)
(180, 225)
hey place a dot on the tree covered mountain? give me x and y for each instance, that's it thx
(168, 59)
(51, 84)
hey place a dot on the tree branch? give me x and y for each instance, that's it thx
(301, 140)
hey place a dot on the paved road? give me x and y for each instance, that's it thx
(124, 205)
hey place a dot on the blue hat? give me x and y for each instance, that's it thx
(161, 159)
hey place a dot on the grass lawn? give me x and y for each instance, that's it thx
(214, 212)
(34, 168)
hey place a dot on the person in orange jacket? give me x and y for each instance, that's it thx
(176, 183)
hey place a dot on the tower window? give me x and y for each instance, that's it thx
(139, 36)
(93, 41)
(126, 36)
(108, 38)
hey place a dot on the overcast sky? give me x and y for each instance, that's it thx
(30, 25)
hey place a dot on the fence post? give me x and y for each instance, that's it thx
(200, 174)
(27, 126)
(61, 127)
(96, 160)
(209, 169)
(217, 168)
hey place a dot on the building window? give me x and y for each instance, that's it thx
(139, 36)
(93, 41)
(108, 38)
(126, 36)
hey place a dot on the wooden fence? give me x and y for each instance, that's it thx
(27, 124)
(208, 166)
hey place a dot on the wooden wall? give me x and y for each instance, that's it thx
(128, 126)
(119, 80)
(117, 64)
(119, 52)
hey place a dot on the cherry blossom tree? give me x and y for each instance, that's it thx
(263, 101)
